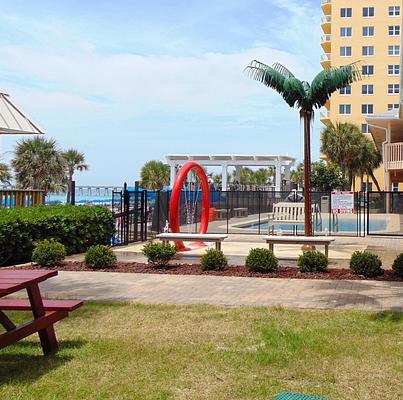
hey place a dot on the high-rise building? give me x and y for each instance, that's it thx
(369, 32)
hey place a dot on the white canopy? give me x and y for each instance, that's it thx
(13, 121)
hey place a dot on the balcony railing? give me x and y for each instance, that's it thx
(21, 198)
(326, 19)
(325, 57)
(393, 156)
(326, 2)
(326, 38)
(324, 114)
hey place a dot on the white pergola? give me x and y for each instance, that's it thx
(234, 160)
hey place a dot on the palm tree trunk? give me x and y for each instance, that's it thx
(307, 117)
(69, 189)
(375, 181)
(350, 179)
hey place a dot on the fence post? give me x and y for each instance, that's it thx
(126, 203)
(73, 193)
(136, 210)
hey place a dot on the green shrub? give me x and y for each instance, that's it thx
(99, 257)
(261, 260)
(398, 265)
(213, 260)
(312, 261)
(76, 227)
(159, 254)
(366, 263)
(48, 253)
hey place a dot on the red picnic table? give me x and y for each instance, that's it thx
(45, 312)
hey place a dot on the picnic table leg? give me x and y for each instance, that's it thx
(5, 321)
(47, 336)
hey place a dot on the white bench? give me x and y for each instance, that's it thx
(314, 240)
(287, 213)
(186, 237)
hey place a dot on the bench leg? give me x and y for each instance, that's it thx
(218, 245)
(271, 247)
(326, 250)
(6, 322)
(47, 336)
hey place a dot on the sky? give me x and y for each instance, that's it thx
(127, 81)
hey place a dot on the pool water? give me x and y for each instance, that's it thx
(344, 225)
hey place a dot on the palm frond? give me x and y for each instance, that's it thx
(283, 70)
(331, 79)
(290, 88)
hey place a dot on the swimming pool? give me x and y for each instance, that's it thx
(347, 225)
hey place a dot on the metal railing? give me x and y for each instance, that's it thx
(326, 38)
(11, 198)
(326, 19)
(325, 57)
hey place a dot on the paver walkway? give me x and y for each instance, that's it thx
(230, 291)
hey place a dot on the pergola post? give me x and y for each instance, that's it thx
(287, 176)
(238, 173)
(172, 177)
(224, 178)
(277, 183)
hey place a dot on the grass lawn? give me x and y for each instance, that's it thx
(131, 351)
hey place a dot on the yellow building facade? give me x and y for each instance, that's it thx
(368, 32)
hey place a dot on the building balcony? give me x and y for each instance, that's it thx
(325, 60)
(326, 24)
(326, 43)
(325, 117)
(327, 7)
(393, 156)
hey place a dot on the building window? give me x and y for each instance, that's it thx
(394, 50)
(393, 106)
(367, 89)
(367, 108)
(345, 109)
(394, 30)
(394, 69)
(394, 11)
(345, 51)
(393, 88)
(368, 12)
(368, 50)
(346, 90)
(346, 32)
(395, 186)
(368, 31)
(368, 70)
(364, 128)
(346, 12)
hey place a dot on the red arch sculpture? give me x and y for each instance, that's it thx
(176, 196)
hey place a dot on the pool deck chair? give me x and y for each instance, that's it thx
(296, 396)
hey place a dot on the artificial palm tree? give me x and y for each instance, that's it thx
(5, 174)
(154, 175)
(75, 161)
(306, 97)
(38, 164)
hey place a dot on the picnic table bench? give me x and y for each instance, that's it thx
(314, 240)
(45, 312)
(202, 237)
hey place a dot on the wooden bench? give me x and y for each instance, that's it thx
(314, 240)
(201, 237)
(290, 214)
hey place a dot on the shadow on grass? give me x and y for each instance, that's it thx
(388, 316)
(21, 365)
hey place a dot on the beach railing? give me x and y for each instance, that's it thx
(11, 198)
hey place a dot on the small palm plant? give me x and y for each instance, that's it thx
(306, 97)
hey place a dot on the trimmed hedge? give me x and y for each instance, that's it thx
(76, 227)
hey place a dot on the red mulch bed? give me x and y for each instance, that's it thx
(231, 270)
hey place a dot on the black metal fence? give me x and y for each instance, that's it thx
(130, 211)
(246, 212)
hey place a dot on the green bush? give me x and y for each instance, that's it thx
(366, 263)
(76, 227)
(398, 265)
(312, 261)
(99, 257)
(261, 260)
(48, 253)
(213, 260)
(159, 254)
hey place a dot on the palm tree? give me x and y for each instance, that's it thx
(306, 97)
(154, 175)
(38, 164)
(297, 175)
(5, 174)
(370, 160)
(75, 161)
